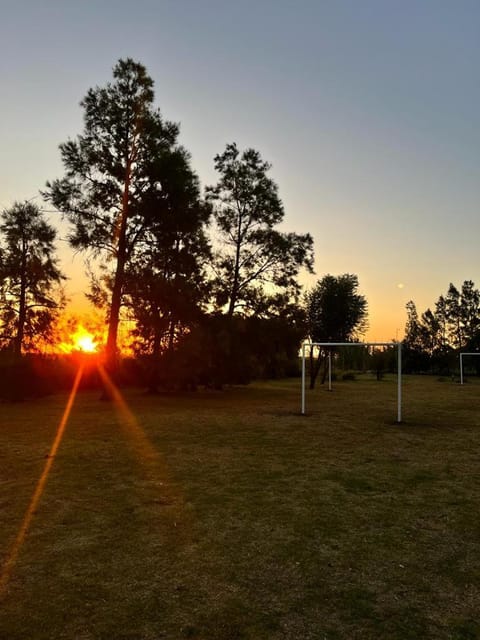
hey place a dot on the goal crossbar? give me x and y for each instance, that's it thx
(306, 345)
(461, 362)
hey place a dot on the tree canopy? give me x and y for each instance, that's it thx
(256, 265)
(336, 312)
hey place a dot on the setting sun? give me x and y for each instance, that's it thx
(80, 340)
(83, 340)
(85, 343)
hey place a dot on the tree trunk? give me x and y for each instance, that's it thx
(236, 271)
(171, 335)
(22, 308)
(315, 365)
(116, 301)
(325, 368)
(114, 319)
(154, 372)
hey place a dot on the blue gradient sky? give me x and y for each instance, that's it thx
(369, 112)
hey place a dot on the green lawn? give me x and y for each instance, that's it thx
(235, 517)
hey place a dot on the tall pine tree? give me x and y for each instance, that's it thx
(121, 175)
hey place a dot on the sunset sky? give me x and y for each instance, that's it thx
(368, 111)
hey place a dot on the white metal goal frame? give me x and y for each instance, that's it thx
(306, 345)
(461, 362)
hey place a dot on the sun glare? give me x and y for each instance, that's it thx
(80, 340)
(86, 343)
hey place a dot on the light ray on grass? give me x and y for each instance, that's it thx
(13, 553)
(152, 460)
(142, 444)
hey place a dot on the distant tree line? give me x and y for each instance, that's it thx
(434, 339)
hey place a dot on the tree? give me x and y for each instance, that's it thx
(336, 312)
(414, 343)
(453, 317)
(30, 294)
(122, 174)
(164, 299)
(256, 262)
(166, 285)
(413, 328)
(433, 334)
(468, 323)
(453, 325)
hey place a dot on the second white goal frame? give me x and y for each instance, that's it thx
(357, 344)
(461, 362)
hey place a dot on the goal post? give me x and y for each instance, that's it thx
(306, 345)
(461, 362)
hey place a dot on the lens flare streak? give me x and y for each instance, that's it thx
(27, 520)
(153, 463)
(141, 442)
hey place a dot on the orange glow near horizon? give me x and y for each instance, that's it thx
(84, 333)
(81, 340)
(12, 556)
(85, 341)
(74, 335)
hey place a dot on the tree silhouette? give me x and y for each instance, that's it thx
(453, 325)
(255, 261)
(336, 312)
(166, 285)
(30, 296)
(122, 174)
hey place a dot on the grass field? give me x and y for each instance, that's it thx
(227, 515)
